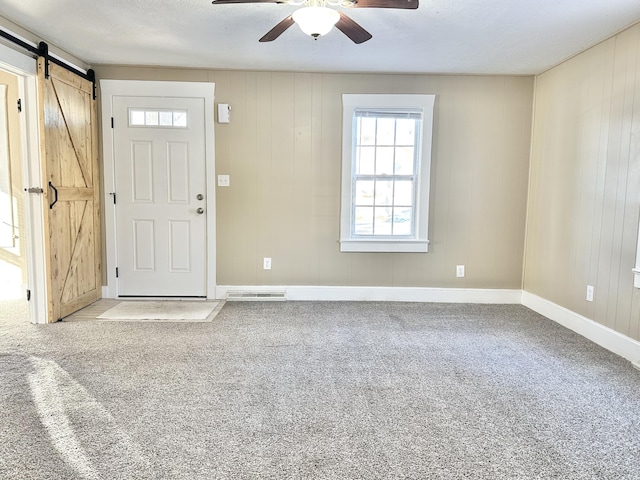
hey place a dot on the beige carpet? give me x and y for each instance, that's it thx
(162, 311)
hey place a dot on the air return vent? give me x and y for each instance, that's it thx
(244, 296)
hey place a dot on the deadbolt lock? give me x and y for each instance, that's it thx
(200, 196)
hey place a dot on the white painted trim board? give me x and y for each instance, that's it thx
(381, 294)
(607, 338)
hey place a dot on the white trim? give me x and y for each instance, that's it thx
(25, 68)
(136, 88)
(378, 245)
(32, 66)
(607, 338)
(613, 341)
(17, 62)
(33, 206)
(381, 294)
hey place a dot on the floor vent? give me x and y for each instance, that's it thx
(256, 296)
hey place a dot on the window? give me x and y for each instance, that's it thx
(386, 163)
(157, 118)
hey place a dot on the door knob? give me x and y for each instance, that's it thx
(200, 210)
(200, 196)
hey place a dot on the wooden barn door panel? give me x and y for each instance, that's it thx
(70, 174)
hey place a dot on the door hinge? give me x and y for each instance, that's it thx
(111, 122)
(113, 194)
(19, 105)
(28, 295)
(116, 272)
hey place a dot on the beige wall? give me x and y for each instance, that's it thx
(282, 150)
(585, 177)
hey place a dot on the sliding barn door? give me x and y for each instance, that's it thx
(70, 177)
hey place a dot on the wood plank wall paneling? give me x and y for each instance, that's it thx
(282, 150)
(584, 205)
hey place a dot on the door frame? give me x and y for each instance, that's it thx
(141, 88)
(25, 68)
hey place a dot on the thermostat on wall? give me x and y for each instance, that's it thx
(223, 112)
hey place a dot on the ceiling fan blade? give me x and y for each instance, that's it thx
(407, 4)
(352, 30)
(278, 30)
(227, 2)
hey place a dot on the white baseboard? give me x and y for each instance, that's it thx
(613, 341)
(607, 338)
(381, 294)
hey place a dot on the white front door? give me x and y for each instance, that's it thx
(160, 196)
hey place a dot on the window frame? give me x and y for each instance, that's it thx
(146, 111)
(418, 242)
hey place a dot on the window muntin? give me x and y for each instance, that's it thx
(140, 117)
(385, 171)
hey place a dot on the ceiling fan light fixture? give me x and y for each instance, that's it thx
(316, 21)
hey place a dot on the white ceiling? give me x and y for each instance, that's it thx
(442, 36)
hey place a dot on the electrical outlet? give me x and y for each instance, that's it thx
(266, 263)
(459, 271)
(224, 180)
(589, 293)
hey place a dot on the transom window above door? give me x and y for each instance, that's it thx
(157, 118)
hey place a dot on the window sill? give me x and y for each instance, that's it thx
(399, 246)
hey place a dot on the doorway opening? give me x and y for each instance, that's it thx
(22, 279)
(13, 264)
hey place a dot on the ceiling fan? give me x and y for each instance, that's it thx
(316, 19)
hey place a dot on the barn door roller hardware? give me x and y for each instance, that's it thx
(42, 50)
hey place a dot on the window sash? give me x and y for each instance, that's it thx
(393, 207)
(409, 113)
